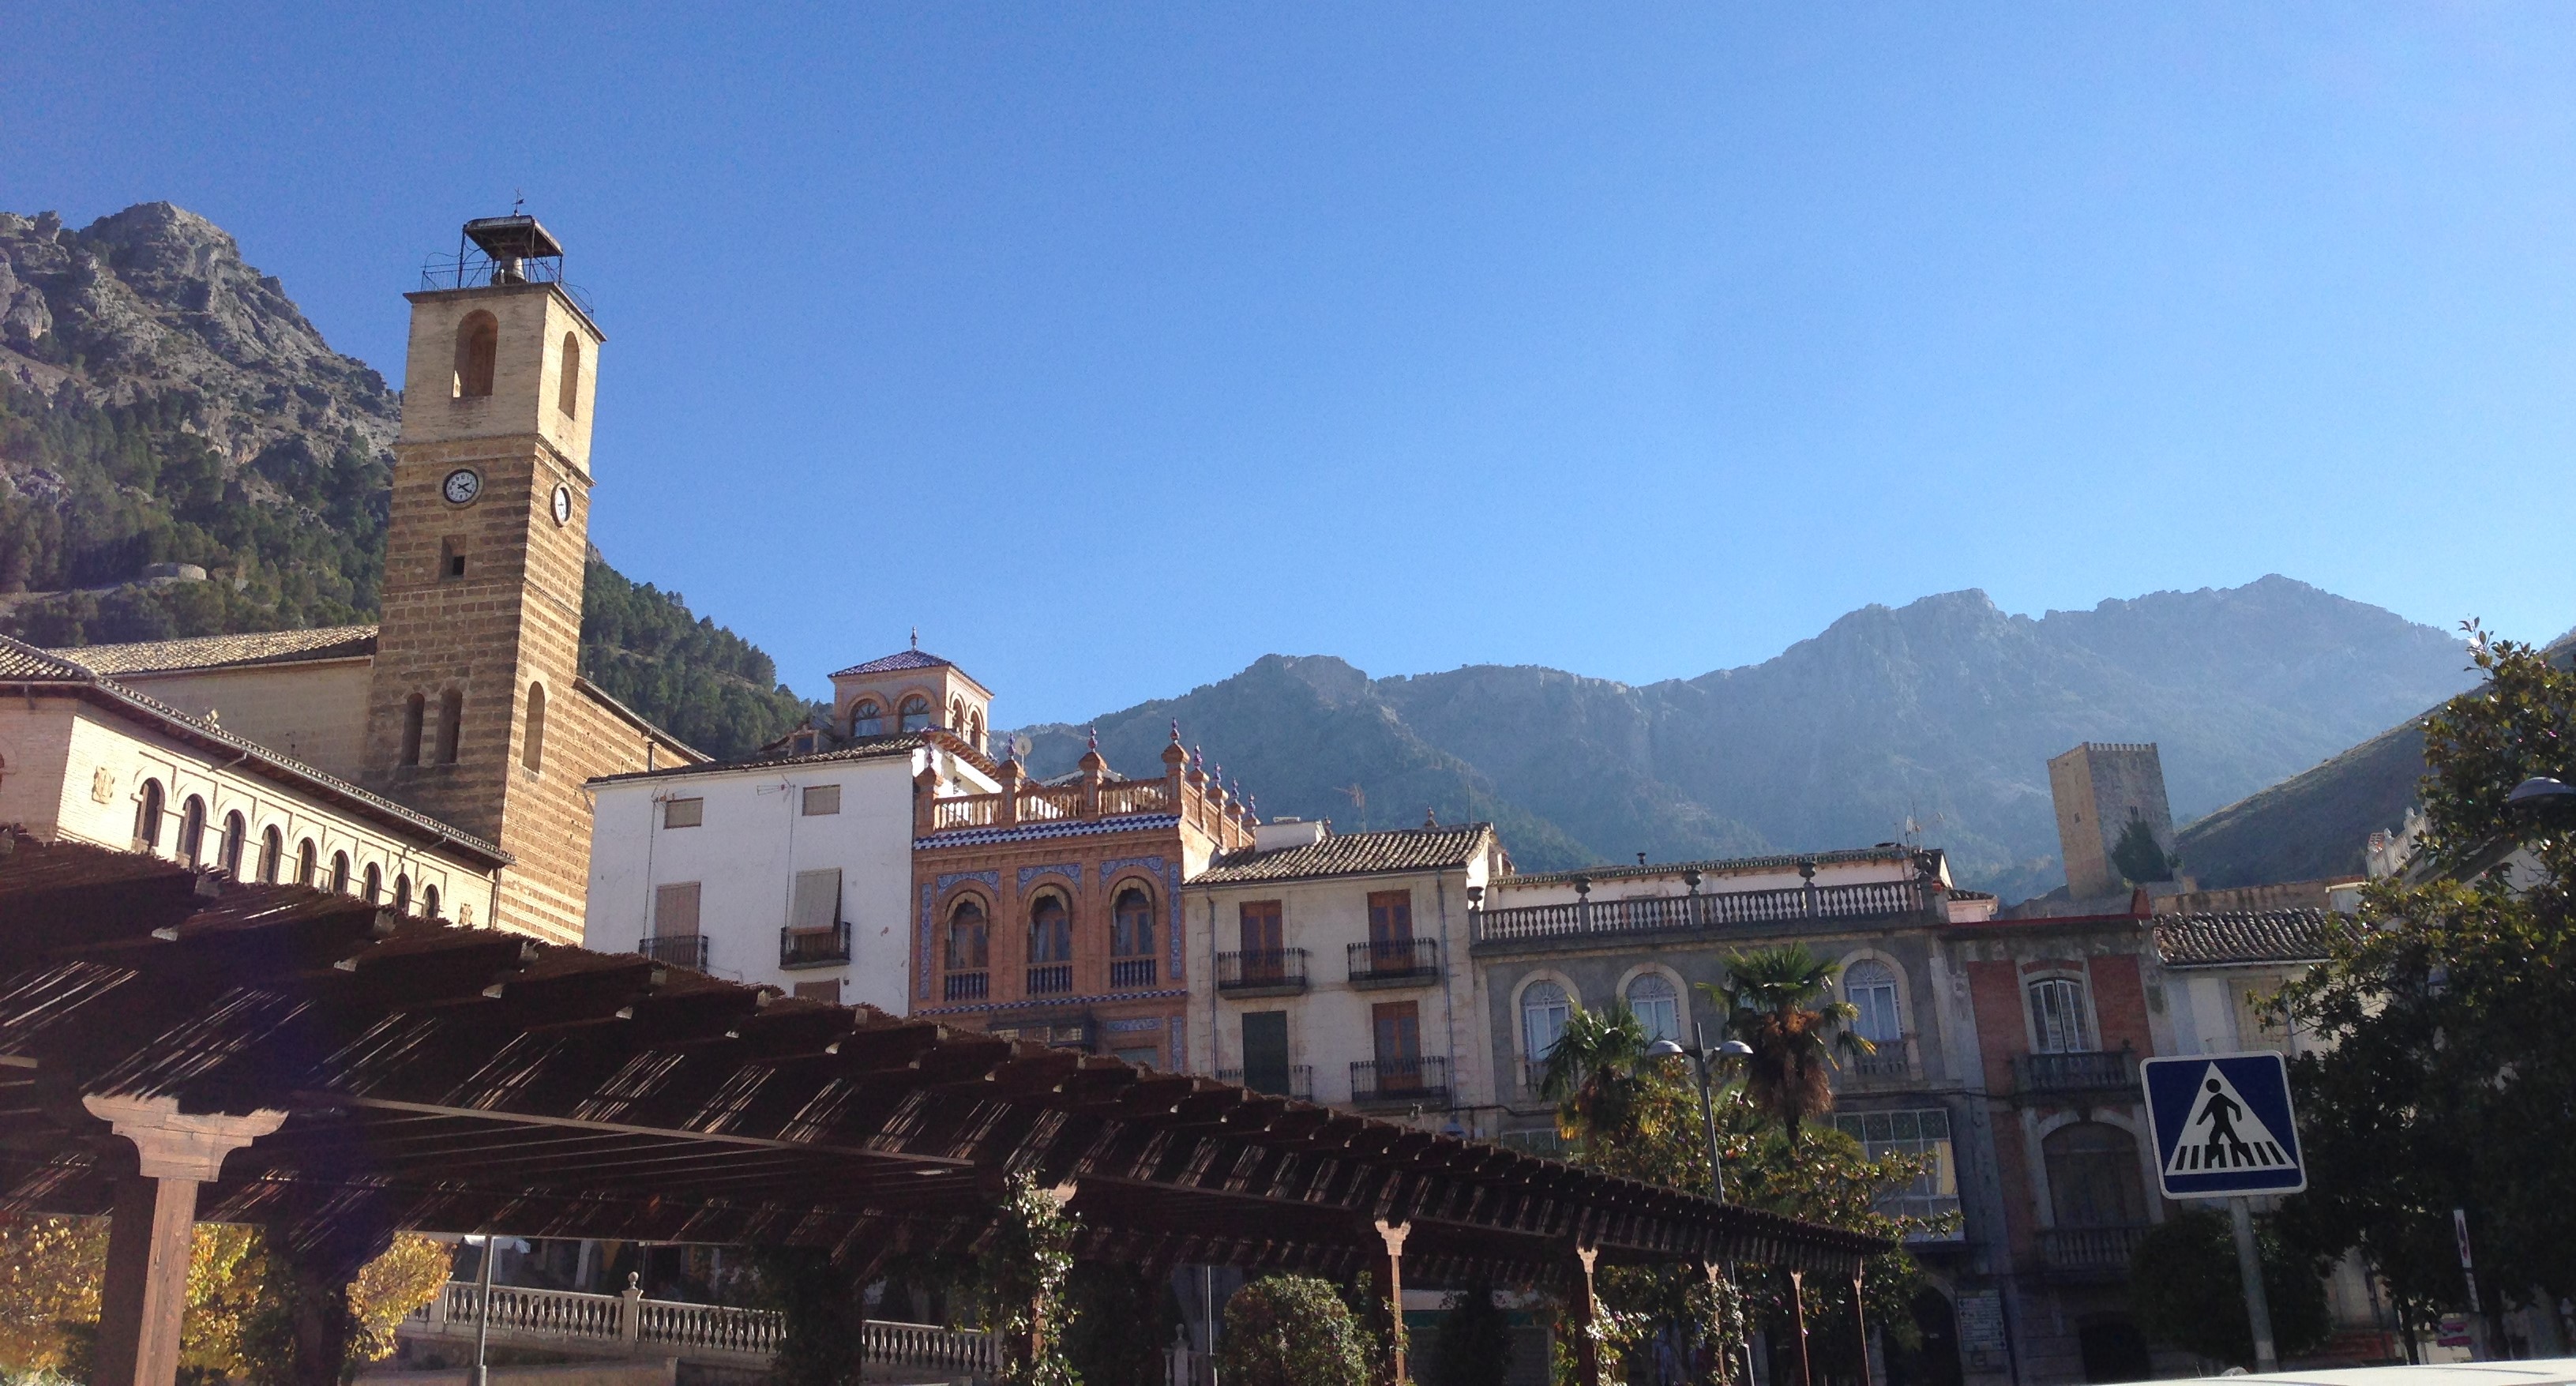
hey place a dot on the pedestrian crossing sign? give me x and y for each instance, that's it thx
(2223, 1126)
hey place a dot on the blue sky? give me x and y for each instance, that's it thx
(1115, 347)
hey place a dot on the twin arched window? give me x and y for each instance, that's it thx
(339, 873)
(1050, 930)
(147, 817)
(916, 713)
(1131, 924)
(957, 714)
(272, 854)
(969, 937)
(375, 884)
(975, 730)
(1870, 985)
(1656, 1005)
(1544, 1010)
(307, 861)
(192, 831)
(402, 893)
(228, 853)
(478, 351)
(867, 719)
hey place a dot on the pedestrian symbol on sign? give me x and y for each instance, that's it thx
(2224, 1134)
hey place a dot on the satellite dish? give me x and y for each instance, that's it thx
(1020, 745)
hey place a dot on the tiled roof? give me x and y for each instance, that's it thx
(1890, 851)
(2243, 936)
(25, 663)
(1058, 827)
(1356, 854)
(868, 748)
(900, 659)
(219, 651)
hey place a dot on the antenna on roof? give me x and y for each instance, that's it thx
(916, 637)
(518, 199)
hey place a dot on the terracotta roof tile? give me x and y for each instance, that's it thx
(900, 659)
(1356, 854)
(2237, 937)
(218, 651)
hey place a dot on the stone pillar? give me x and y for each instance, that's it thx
(146, 1288)
(1860, 1327)
(1798, 1325)
(1583, 1306)
(925, 801)
(630, 1311)
(1013, 777)
(1393, 1234)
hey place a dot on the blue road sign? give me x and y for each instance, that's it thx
(2223, 1125)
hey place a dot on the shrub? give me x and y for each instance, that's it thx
(1290, 1330)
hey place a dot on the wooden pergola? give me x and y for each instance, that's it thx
(175, 1046)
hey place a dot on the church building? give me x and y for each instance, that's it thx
(464, 704)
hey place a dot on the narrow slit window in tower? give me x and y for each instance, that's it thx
(478, 348)
(451, 717)
(415, 711)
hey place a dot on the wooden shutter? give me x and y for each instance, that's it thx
(675, 910)
(1260, 922)
(1390, 916)
(1398, 1031)
(818, 899)
(826, 992)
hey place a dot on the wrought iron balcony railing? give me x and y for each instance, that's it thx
(966, 986)
(1267, 972)
(1395, 962)
(1300, 1081)
(1050, 979)
(1415, 1079)
(814, 947)
(2094, 1252)
(2077, 1071)
(1892, 1063)
(1132, 972)
(678, 950)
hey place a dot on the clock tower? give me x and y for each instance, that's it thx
(484, 558)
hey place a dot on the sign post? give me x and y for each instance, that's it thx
(2224, 1129)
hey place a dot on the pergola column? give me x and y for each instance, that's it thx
(1860, 1327)
(1393, 1234)
(145, 1291)
(1583, 1308)
(1798, 1323)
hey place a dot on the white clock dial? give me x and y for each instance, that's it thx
(461, 486)
(563, 505)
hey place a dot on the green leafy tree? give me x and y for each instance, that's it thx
(1592, 1072)
(1777, 1001)
(2138, 856)
(1123, 1318)
(1291, 1330)
(1474, 1344)
(2442, 1070)
(2188, 1294)
(819, 1301)
(1024, 1265)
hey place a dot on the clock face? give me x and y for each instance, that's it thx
(563, 505)
(461, 486)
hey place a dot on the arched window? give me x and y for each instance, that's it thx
(429, 902)
(2057, 1023)
(867, 719)
(192, 831)
(968, 937)
(478, 347)
(451, 720)
(147, 817)
(272, 854)
(402, 893)
(415, 712)
(1131, 928)
(375, 884)
(956, 714)
(228, 853)
(916, 713)
(568, 391)
(1050, 930)
(308, 859)
(1870, 985)
(1657, 1005)
(339, 873)
(2093, 1176)
(975, 730)
(532, 752)
(1544, 1011)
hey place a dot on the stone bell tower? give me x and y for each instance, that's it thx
(483, 568)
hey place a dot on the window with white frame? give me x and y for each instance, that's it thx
(1544, 1011)
(2057, 1021)
(1657, 1006)
(1924, 1133)
(1870, 985)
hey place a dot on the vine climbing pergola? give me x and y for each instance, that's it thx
(174, 1047)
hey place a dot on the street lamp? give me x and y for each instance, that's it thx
(1699, 1053)
(2539, 790)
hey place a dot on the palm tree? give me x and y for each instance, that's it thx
(1592, 1072)
(1775, 1000)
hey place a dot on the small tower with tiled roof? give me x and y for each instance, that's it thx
(910, 690)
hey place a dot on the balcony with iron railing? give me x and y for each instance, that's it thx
(1649, 914)
(1125, 973)
(966, 986)
(2078, 1072)
(814, 947)
(1893, 1063)
(676, 950)
(1415, 1080)
(1261, 972)
(2090, 1253)
(1050, 979)
(1402, 962)
(1300, 1082)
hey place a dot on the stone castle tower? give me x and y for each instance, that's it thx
(2100, 789)
(475, 714)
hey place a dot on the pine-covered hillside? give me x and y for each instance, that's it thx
(163, 403)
